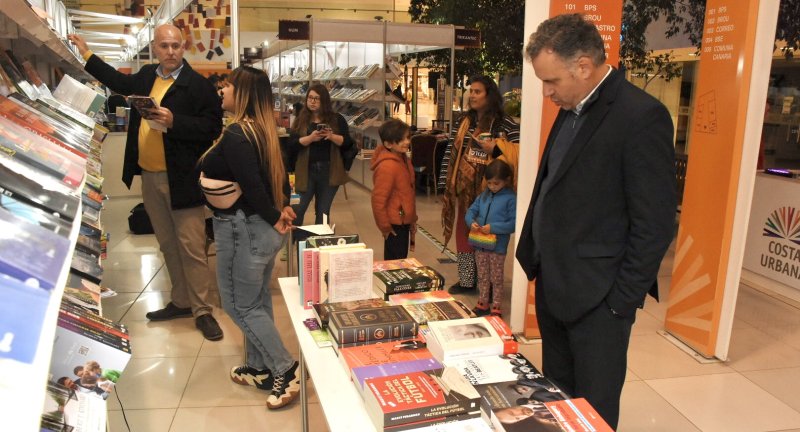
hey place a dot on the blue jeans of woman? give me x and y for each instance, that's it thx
(246, 250)
(319, 188)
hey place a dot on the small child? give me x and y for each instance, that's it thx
(393, 194)
(493, 212)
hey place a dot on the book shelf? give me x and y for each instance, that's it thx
(351, 58)
(38, 36)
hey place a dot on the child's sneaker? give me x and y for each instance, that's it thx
(246, 375)
(496, 312)
(285, 388)
(479, 311)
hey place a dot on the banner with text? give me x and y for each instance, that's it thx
(709, 249)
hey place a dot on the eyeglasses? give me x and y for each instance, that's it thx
(313, 98)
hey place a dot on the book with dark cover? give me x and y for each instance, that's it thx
(322, 310)
(31, 253)
(9, 65)
(22, 188)
(416, 396)
(407, 280)
(87, 266)
(22, 314)
(438, 311)
(94, 333)
(373, 324)
(20, 144)
(331, 240)
(35, 215)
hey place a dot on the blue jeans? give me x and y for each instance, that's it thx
(246, 250)
(319, 188)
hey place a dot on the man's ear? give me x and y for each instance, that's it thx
(585, 67)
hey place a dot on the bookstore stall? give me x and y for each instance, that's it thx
(356, 60)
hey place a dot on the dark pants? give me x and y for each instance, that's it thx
(587, 357)
(318, 188)
(396, 245)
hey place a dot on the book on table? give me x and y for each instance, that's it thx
(361, 373)
(420, 297)
(395, 264)
(322, 310)
(469, 337)
(371, 325)
(438, 311)
(418, 396)
(325, 253)
(353, 357)
(407, 280)
(349, 273)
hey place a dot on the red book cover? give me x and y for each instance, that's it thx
(577, 415)
(416, 396)
(510, 345)
(33, 121)
(380, 353)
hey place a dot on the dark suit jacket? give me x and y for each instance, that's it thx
(608, 217)
(197, 122)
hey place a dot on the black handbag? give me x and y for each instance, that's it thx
(348, 156)
(138, 221)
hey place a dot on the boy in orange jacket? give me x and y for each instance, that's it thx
(393, 195)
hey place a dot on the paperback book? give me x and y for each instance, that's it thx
(470, 337)
(420, 297)
(36, 191)
(438, 311)
(407, 280)
(395, 264)
(417, 396)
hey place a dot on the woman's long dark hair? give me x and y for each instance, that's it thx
(326, 113)
(494, 100)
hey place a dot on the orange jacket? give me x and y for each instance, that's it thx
(393, 201)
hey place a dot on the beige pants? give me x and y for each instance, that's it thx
(181, 237)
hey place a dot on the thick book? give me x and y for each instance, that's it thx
(25, 188)
(22, 314)
(370, 325)
(31, 253)
(420, 297)
(323, 310)
(470, 337)
(416, 396)
(395, 264)
(21, 144)
(437, 311)
(407, 280)
(349, 274)
(324, 266)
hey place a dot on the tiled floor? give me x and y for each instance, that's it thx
(178, 382)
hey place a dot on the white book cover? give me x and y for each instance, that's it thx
(349, 274)
(463, 338)
(324, 255)
(495, 368)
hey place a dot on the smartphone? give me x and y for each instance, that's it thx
(322, 126)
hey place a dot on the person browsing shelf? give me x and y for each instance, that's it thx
(601, 214)
(320, 136)
(252, 230)
(190, 117)
(393, 196)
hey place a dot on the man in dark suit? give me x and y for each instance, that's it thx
(164, 150)
(602, 212)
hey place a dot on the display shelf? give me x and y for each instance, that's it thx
(22, 385)
(38, 31)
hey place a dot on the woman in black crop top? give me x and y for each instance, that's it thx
(251, 232)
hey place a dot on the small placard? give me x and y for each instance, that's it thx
(468, 38)
(293, 30)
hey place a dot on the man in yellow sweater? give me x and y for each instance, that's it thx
(164, 150)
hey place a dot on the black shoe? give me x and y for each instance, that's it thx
(458, 289)
(285, 388)
(246, 375)
(169, 312)
(209, 327)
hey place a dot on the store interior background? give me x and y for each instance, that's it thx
(176, 380)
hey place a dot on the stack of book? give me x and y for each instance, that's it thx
(334, 269)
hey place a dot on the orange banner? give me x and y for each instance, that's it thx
(607, 16)
(716, 143)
